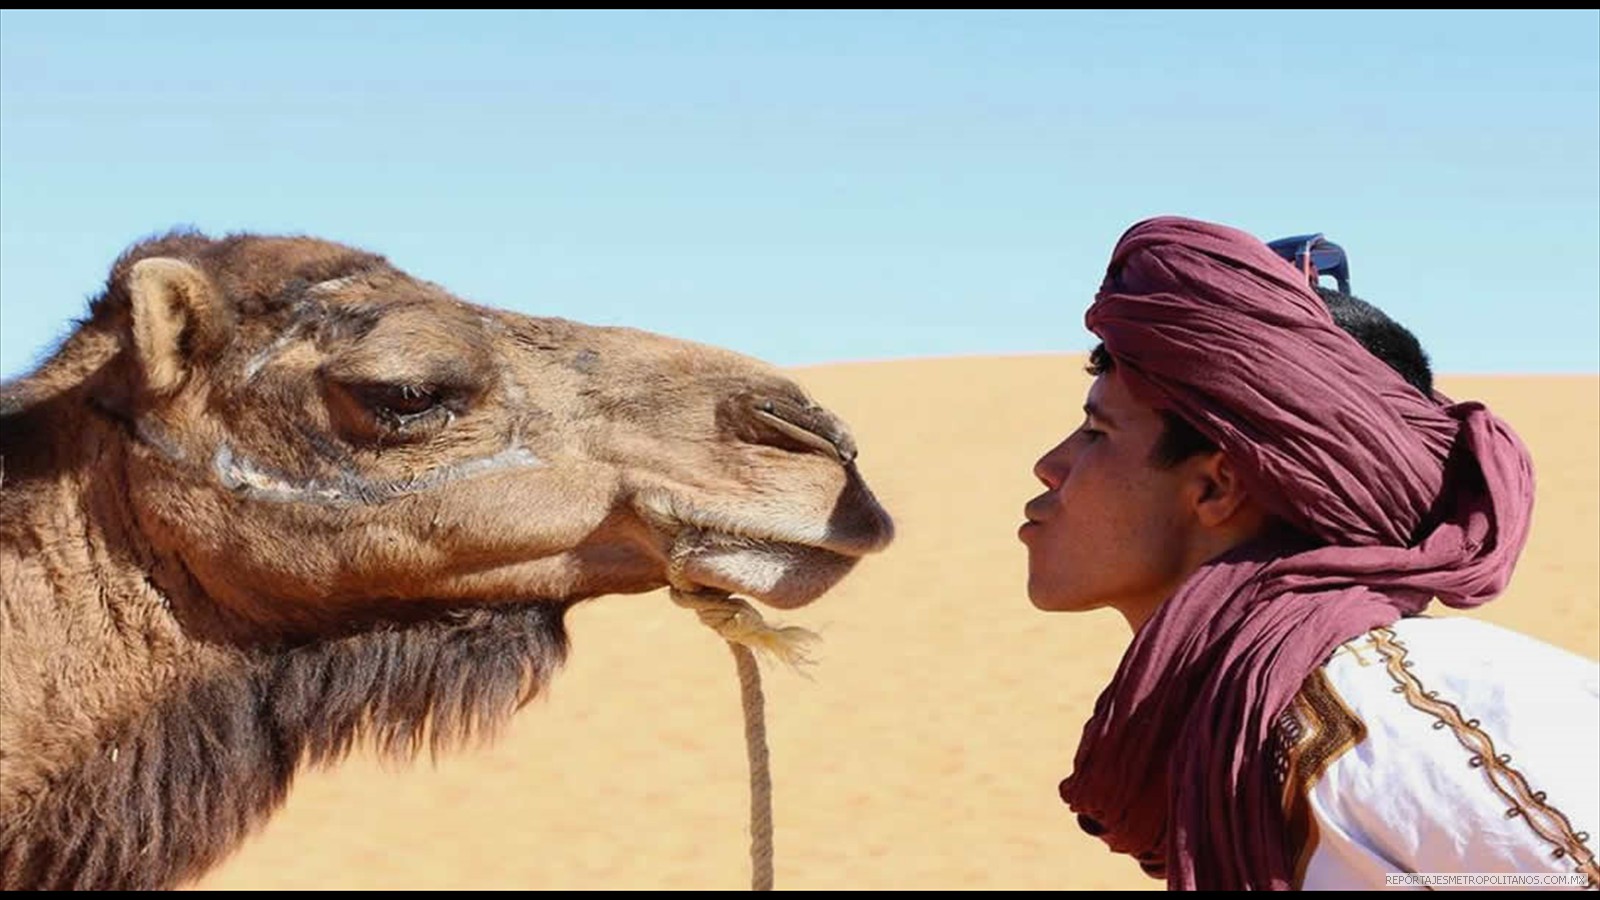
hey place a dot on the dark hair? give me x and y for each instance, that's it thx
(1179, 440)
(1383, 337)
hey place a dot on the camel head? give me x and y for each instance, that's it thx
(322, 441)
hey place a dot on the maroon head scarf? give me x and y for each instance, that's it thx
(1392, 499)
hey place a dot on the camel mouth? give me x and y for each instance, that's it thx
(779, 574)
(783, 564)
(783, 561)
(857, 529)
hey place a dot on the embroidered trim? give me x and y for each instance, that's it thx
(1316, 729)
(1546, 821)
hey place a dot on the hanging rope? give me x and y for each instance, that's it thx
(738, 623)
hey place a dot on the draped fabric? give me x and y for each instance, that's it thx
(1387, 499)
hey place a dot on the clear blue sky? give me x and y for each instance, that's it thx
(822, 186)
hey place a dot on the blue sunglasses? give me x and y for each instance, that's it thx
(1315, 255)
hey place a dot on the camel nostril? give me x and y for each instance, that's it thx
(803, 427)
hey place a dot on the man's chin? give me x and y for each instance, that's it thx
(1058, 600)
(1050, 601)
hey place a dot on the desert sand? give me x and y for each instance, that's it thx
(923, 749)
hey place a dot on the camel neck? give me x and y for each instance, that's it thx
(86, 626)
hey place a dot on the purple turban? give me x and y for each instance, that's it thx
(1391, 499)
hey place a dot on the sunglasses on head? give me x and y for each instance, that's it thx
(1316, 256)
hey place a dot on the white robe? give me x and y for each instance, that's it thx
(1443, 745)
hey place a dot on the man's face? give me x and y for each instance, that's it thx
(1110, 529)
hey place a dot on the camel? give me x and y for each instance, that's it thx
(275, 497)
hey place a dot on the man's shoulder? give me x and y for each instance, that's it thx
(1425, 664)
(1442, 702)
(1441, 733)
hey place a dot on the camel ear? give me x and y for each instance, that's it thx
(176, 314)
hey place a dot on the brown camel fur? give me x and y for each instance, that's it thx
(275, 496)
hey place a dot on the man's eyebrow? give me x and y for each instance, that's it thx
(1098, 414)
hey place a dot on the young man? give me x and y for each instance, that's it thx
(1271, 508)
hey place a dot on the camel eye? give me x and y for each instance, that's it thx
(398, 404)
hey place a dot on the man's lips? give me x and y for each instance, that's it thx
(1035, 510)
(1033, 515)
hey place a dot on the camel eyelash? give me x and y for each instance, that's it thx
(400, 405)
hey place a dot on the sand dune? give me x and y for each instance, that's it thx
(924, 750)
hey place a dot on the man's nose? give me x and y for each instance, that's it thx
(1052, 468)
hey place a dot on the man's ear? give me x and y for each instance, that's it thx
(1218, 491)
(175, 316)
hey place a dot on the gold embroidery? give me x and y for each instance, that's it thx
(1355, 651)
(1546, 821)
(1316, 729)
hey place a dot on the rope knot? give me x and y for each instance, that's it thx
(737, 622)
